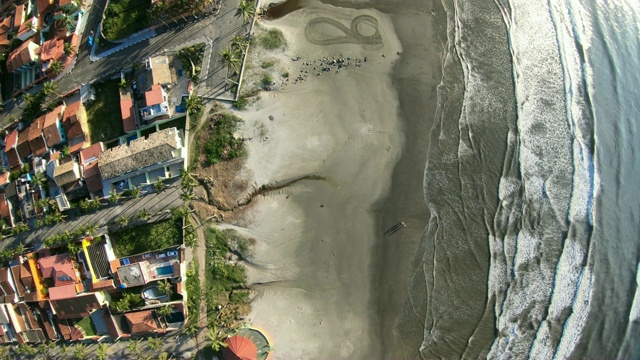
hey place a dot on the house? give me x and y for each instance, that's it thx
(91, 154)
(53, 131)
(156, 103)
(127, 110)
(19, 16)
(161, 73)
(5, 211)
(79, 306)
(7, 289)
(10, 148)
(66, 173)
(4, 179)
(23, 148)
(142, 322)
(36, 138)
(28, 29)
(90, 169)
(51, 50)
(75, 126)
(57, 270)
(23, 56)
(140, 269)
(144, 160)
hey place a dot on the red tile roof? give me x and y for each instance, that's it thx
(6, 23)
(72, 123)
(51, 130)
(44, 5)
(23, 147)
(29, 25)
(4, 178)
(92, 177)
(5, 213)
(76, 307)
(76, 147)
(128, 118)
(19, 57)
(52, 50)
(141, 321)
(36, 140)
(12, 154)
(91, 153)
(62, 292)
(11, 140)
(19, 16)
(58, 267)
(153, 96)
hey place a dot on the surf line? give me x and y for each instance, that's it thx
(395, 228)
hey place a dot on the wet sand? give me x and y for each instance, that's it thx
(330, 285)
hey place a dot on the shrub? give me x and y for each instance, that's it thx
(267, 80)
(272, 39)
(241, 103)
(268, 64)
(222, 145)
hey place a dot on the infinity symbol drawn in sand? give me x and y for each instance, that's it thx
(317, 35)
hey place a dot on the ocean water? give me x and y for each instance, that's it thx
(533, 183)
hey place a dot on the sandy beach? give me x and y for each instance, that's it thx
(320, 264)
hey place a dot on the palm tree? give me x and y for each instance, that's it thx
(239, 43)
(56, 66)
(187, 196)
(144, 214)
(68, 49)
(102, 352)
(217, 338)
(246, 9)
(229, 58)
(135, 192)
(158, 185)
(114, 196)
(123, 221)
(49, 88)
(79, 351)
(165, 287)
(165, 311)
(74, 248)
(134, 347)
(91, 229)
(155, 343)
(194, 104)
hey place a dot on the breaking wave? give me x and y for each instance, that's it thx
(532, 182)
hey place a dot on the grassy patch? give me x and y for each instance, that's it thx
(104, 120)
(148, 237)
(125, 17)
(86, 325)
(193, 297)
(272, 39)
(226, 282)
(221, 144)
(267, 64)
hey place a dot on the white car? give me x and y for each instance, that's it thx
(161, 256)
(172, 253)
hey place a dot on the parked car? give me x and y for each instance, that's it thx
(152, 292)
(172, 253)
(161, 256)
(146, 256)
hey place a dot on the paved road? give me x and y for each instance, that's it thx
(159, 206)
(217, 29)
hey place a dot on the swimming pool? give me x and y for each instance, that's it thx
(165, 270)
